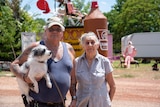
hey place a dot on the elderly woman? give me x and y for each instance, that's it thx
(93, 71)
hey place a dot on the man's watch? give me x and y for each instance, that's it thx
(74, 97)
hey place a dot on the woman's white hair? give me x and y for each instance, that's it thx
(83, 37)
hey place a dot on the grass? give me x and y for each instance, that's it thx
(6, 73)
(143, 71)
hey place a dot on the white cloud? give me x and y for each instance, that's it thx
(103, 3)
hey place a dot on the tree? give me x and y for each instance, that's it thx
(7, 31)
(140, 16)
(119, 5)
(81, 6)
(13, 21)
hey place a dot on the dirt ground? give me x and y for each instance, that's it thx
(131, 92)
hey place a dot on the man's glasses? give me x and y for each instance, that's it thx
(90, 42)
(55, 29)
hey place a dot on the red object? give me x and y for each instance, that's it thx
(43, 5)
(94, 4)
(70, 8)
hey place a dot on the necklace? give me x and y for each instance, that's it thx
(53, 48)
(55, 51)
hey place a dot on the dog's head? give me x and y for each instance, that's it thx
(41, 53)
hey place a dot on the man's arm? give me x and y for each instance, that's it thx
(71, 50)
(73, 77)
(14, 67)
(73, 87)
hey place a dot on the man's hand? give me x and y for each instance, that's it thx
(73, 103)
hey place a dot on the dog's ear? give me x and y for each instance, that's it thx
(35, 52)
(42, 52)
(38, 51)
(26, 65)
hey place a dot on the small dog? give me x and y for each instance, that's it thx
(35, 67)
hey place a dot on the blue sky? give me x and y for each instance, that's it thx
(104, 6)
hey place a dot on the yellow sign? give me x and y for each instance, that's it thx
(72, 35)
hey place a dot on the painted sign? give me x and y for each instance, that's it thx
(103, 39)
(27, 38)
(72, 35)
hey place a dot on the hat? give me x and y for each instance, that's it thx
(55, 21)
(130, 42)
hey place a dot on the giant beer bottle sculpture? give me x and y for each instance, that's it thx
(96, 22)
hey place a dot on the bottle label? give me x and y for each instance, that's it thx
(103, 38)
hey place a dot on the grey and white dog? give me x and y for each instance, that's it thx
(36, 67)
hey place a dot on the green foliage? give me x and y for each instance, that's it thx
(86, 8)
(81, 6)
(13, 21)
(78, 4)
(7, 31)
(143, 71)
(140, 16)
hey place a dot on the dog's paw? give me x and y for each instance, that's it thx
(32, 88)
(29, 99)
(36, 90)
(49, 85)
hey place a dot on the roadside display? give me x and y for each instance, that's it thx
(72, 35)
